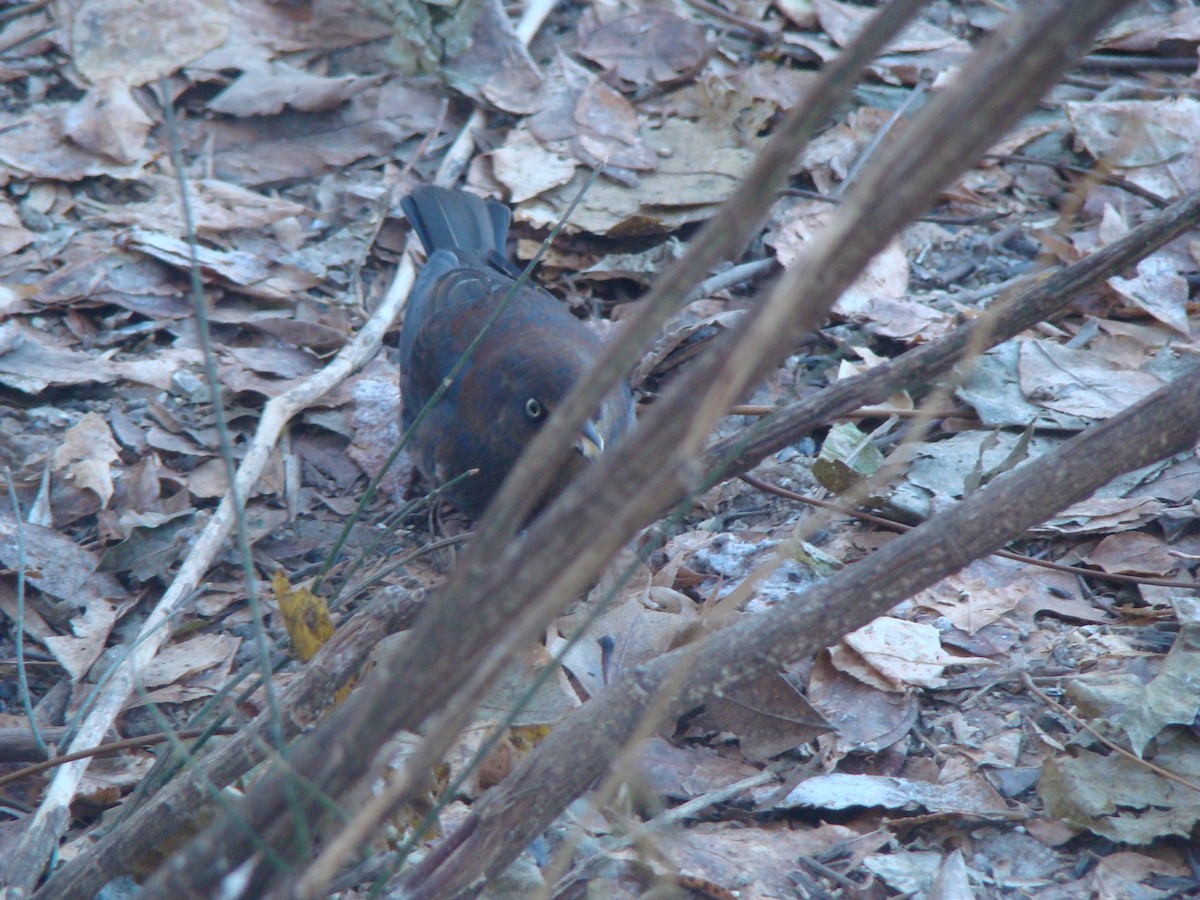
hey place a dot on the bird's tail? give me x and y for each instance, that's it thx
(454, 220)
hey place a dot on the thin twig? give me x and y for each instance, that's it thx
(19, 627)
(756, 31)
(755, 409)
(893, 525)
(144, 740)
(1116, 748)
(1097, 173)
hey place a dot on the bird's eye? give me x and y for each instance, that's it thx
(533, 409)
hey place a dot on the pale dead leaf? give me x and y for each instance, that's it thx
(698, 166)
(86, 455)
(981, 593)
(642, 620)
(648, 48)
(768, 715)
(107, 779)
(1144, 34)
(865, 718)
(267, 88)
(35, 143)
(608, 130)
(29, 364)
(35, 626)
(1156, 143)
(249, 274)
(1079, 382)
(216, 206)
(137, 41)
(527, 168)
(158, 369)
(970, 794)
(183, 660)
(906, 653)
(843, 22)
(1100, 515)
(91, 629)
(1134, 552)
(885, 277)
(485, 58)
(13, 236)
(109, 122)
(1159, 289)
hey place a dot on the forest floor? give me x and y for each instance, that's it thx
(992, 735)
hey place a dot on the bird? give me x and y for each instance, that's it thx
(512, 380)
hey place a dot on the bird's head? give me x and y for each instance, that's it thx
(519, 395)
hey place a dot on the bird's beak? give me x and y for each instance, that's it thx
(590, 444)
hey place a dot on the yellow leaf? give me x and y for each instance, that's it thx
(305, 615)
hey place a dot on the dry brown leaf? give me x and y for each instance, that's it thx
(13, 236)
(1159, 289)
(138, 41)
(251, 275)
(1134, 552)
(29, 363)
(864, 717)
(843, 22)
(216, 206)
(906, 654)
(91, 630)
(1155, 143)
(86, 456)
(647, 48)
(1079, 382)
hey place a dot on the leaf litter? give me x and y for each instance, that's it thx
(302, 124)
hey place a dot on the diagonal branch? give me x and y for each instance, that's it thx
(508, 817)
(492, 606)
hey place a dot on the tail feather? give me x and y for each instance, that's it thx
(446, 219)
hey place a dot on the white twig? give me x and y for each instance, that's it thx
(52, 817)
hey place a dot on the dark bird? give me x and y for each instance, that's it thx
(517, 374)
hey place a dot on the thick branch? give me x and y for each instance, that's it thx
(509, 816)
(1044, 296)
(490, 610)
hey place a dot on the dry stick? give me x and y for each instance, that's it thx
(754, 409)
(52, 817)
(1046, 295)
(144, 740)
(528, 582)
(18, 745)
(1051, 292)
(1028, 684)
(180, 803)
(506, 818)
(332, 764)
(892, 525)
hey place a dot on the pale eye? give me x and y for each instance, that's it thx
(533, 409)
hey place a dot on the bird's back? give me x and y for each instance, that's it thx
(467, 277)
